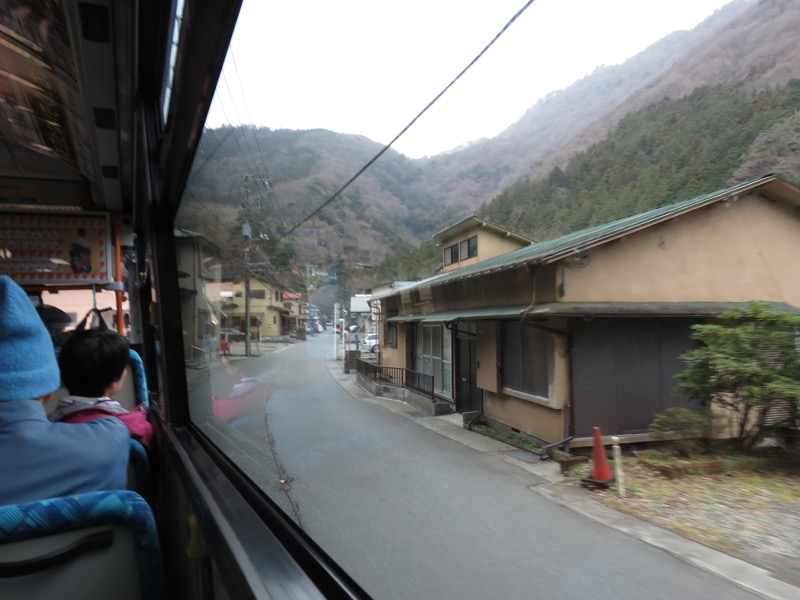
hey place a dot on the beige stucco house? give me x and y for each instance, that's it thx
(473, 240)
(555, 338)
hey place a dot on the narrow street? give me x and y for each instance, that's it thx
(412, 514)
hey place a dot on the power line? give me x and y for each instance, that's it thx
(211, 154)
(410, 124)
(270, 188)
(248, 166)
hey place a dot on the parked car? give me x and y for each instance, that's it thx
(232, 334)
(370, 342)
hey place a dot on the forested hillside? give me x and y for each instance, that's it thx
(669, 151)
(692, 113)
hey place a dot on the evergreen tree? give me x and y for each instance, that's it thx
(743, 363)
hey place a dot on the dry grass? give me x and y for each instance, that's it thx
(751, 510)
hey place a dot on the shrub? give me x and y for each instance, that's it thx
(682, 427)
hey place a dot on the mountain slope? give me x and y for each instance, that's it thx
(399, 202)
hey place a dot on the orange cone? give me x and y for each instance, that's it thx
(601, 473)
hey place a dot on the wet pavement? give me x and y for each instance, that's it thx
(568, 493)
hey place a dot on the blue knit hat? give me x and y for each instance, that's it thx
(28, 367)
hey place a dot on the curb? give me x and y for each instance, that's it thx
(749, 577)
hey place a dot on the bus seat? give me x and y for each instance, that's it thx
(139, 470)
(134, 393)
(134, 389)
(94, 545)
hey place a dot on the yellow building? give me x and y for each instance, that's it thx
(268, 315)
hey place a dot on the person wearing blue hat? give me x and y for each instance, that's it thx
(40, 459)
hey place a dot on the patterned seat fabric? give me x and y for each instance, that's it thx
(20, 522)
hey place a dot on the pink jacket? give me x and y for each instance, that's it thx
(135, 420)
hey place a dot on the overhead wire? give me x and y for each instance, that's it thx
(253, 169)
(246, 157)
(383, 150)
(267, 181)
(264, 269)
(212, 152)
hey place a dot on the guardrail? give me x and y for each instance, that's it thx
(419, 382)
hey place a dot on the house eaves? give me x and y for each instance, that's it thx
(459, 315)
(645, 309)
(580, 241)
(474, 222)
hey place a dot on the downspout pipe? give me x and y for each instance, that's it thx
(568, 416)
(534, 274)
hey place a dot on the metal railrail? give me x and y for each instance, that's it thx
(419, 382)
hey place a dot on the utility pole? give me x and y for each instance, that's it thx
(335, 324)
(247, 233)
(344, 343)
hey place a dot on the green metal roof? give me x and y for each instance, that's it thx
(595, 309)
(645, 309)
(578, 241)
(459, 315)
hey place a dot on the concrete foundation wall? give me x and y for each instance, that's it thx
(536, 420)
(420, 401)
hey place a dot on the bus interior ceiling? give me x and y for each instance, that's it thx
(67, 106)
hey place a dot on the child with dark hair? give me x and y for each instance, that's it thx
(92, 366)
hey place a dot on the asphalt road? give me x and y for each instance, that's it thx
(411, 514)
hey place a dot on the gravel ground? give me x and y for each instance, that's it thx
(750, 511)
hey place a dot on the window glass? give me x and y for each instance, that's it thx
(447, 362)
(472, 246)
(419, 349)
(436, 356)
(433, 356)
(263, 202)
(524, 358)
(451, 254)
(172, 53)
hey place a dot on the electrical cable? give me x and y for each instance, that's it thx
(270, 188)
(349, 182)
(199, 168)
(248, 165)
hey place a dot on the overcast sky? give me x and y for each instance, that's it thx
(368, 67)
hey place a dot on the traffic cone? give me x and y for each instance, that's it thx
(601, 473)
